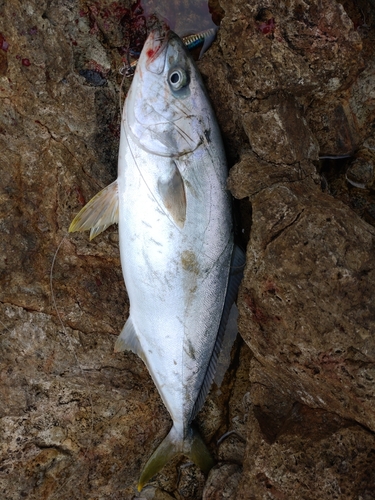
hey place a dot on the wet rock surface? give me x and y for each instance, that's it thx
(294, 415)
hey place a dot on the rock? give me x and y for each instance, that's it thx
(351, 181)
(277, 130)
(307, 295)
(294, 414)
(309, 453)
(222, 482)
(152, 493)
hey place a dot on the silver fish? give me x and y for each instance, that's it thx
(176, 240)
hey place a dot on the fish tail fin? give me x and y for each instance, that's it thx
(173, 444)
(197, 450)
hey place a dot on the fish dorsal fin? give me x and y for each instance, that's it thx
(172, 192)
(128, 340)
(99, 213)
(235, 277)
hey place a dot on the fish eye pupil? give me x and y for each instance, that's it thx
(175, 77)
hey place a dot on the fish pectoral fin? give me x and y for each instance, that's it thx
(172, 192)
(128, 340)
(99, 213)
(174, 443)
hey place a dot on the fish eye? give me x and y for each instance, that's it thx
(177, 78)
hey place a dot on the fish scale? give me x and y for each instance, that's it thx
(175, 231)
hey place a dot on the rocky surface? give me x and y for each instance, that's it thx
(294, 417)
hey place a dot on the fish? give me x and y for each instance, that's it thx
(190, 41)
(179, 261)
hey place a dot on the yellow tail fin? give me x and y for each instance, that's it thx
(192, 446)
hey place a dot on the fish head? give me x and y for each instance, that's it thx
(167, 111)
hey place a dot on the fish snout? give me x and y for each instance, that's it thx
(154, 51)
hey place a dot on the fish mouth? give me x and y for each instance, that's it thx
(155, 50)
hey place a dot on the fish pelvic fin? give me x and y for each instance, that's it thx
(99, 213)
(128, 340)
(174, 444)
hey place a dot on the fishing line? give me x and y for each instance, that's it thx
(66, 333)
(179, 106)
(146, 184)
(6, 328)
(335, 157)
(120, 95)
(74, 354)
(212, 259)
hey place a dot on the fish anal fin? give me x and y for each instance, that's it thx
(174, 443)
(128, 340)
(99, 213)
(172, 192)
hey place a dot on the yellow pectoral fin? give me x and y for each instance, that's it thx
(99, 213)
